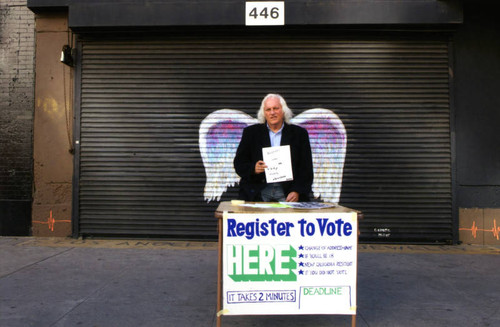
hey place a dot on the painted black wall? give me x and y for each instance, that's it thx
(477, 106)
(99, 14)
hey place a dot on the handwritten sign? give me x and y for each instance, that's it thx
(279, 164)
(289, 263)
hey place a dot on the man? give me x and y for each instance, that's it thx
(274, 130)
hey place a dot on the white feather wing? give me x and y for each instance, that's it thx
(219, 136)
(328, 139)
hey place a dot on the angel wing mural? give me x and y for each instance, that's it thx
(220, 133)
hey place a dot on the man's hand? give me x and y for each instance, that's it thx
(292, 197)
(260, 167)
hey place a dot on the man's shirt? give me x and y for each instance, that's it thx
(275, 137)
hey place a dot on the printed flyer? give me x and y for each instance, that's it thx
(289, 263)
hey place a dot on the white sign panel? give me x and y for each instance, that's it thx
(265, 13)
(279, 163)
(289, 263)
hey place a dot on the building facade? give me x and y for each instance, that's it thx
(116, 134)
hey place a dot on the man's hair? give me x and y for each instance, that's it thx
(288, 114)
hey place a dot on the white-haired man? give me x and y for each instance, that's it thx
(274, 130)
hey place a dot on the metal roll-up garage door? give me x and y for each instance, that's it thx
(142, 102)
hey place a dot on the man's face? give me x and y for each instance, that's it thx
(273, 112)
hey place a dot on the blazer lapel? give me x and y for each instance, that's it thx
(266, 141)
(285, 135)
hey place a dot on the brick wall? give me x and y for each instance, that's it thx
(17, 35)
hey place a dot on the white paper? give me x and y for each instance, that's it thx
(308, 205)
(279, 164)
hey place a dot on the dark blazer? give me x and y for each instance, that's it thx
(249, 151)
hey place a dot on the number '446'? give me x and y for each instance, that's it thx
(273, 13)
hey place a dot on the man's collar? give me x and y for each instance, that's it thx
(281, 128)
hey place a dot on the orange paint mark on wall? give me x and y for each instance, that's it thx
(51, 222)
(495, 230)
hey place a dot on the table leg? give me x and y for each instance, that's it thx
(219, 275)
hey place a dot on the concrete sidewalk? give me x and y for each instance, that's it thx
(66, 282)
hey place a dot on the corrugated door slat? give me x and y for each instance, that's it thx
(143, 101)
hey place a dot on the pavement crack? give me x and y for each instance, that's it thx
(86, 298)
(36, 263)
(360, 315)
